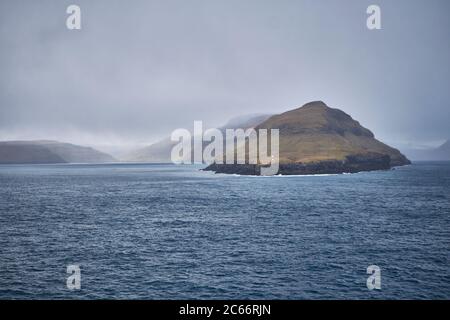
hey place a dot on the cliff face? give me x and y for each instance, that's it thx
(29, 152)
(318, 139)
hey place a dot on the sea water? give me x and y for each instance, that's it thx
(149, 231)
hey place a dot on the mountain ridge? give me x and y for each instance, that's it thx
(440, 153)
(49, 151)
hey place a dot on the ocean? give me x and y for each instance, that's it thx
(151, 231)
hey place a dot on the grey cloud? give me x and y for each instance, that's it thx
(137, 70)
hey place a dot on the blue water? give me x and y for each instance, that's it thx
(173, 232)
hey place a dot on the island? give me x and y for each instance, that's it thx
(317, 139)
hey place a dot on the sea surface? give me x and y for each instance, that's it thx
(148, 231)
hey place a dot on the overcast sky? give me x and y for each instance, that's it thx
(139, 69)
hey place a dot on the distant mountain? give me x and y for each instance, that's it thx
(318, 139)
(441, 153)
(245, 121)
(43, 151)
(160, 151)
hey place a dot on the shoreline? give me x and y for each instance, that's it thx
(352, 164)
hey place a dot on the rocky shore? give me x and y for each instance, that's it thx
(352, 164)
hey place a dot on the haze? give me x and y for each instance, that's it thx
(138, 70)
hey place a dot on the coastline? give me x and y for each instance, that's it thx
(352, 164)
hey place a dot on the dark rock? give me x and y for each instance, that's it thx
(352, 164)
